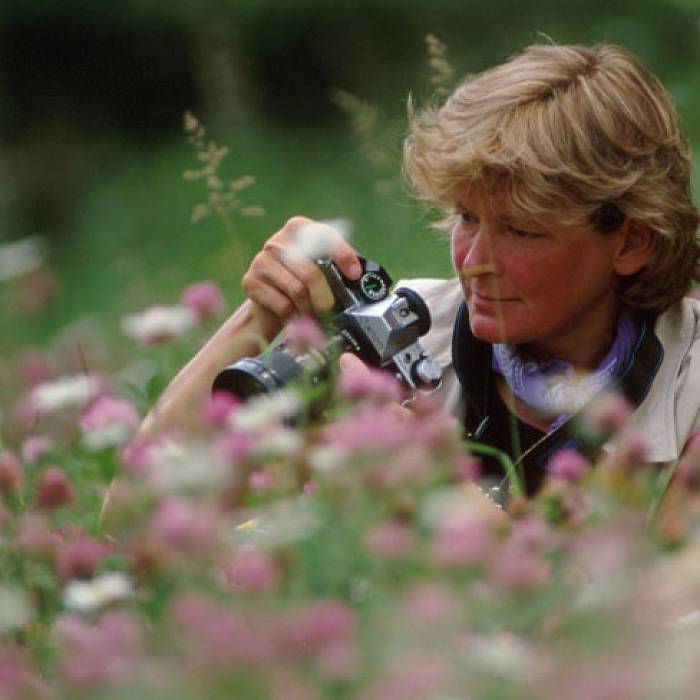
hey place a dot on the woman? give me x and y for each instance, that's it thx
(567, 187)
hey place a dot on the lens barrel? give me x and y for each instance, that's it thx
(258, 375)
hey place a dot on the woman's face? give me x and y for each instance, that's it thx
(551, 291)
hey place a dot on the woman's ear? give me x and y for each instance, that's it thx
(638, 242)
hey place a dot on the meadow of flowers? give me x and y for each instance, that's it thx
(353, 556)
(263, 555)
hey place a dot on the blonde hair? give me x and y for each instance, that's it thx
(575, 136)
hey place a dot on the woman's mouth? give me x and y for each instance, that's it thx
(487, 301)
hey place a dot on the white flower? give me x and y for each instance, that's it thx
(84, 596)
(14, 608)
(456, 505)
(266, 409)
(318, 239)
(193, 467)
(506, 655)
(327, 459)
(21, 257)
(74, 391)
(282, 522)
(159, 323)
(107, 436)
(281, 442)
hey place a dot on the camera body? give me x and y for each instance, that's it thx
(380, 327)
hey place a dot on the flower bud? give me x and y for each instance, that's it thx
(53, 489)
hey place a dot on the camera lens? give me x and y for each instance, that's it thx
(258, 375)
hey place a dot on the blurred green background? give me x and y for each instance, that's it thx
(92, 149)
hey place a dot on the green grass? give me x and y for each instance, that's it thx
(134, 245)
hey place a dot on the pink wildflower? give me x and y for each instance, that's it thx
(568, 465)
(137, 455)
(35, 447)
(108, 422)
(467, 469)
(141, 454)
(204, 299)
(629, 451)
(34, 367)
(218, 407)
(249, 569)
(518, 568)
(184, 526)
(408, 466)
(11, 476)
(16, 679)
(108, 410)
(430, 603)
(35, 537)
(359, 381)
(79, 559)
(370, 427)
(532, 532)
(433, 426)
(288, 684)
(216, 636)
(339, 660)
(260, 480)
(462, 543)
(391, 539)
(235, 446)
(53, 489)
(95, 654)
(310, 487)
(411, 676)
(303, 332)
(608, 412)
(310, 629)
(609, 679)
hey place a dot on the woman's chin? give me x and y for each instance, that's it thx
(488, 329)
(493, 329)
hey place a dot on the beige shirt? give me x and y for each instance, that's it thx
(669, 414)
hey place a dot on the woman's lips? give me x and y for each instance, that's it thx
(489, 297)
(487, 301)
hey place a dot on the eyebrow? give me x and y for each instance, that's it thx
(504, 218)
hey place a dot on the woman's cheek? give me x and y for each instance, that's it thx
(460, 248)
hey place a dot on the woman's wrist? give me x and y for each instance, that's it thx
(245, 333)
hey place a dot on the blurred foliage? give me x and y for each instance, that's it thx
(92, 152)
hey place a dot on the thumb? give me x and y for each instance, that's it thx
(352, 363)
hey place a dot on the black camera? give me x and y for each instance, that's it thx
(380, 327)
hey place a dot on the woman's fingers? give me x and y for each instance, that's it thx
(345, 257)
(284, 284)
(269, 279)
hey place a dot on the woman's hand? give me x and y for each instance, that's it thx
(279, 286)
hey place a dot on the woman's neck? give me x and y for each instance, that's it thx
(583, 347)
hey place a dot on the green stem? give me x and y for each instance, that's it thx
(510, 470)
(661, 486)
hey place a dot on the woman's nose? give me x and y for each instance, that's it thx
(479, 259)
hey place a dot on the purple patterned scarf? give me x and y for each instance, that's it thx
(553, 387)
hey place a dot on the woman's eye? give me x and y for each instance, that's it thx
(466, 218)
(520, 233)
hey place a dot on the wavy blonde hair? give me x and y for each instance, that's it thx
(573, 136)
